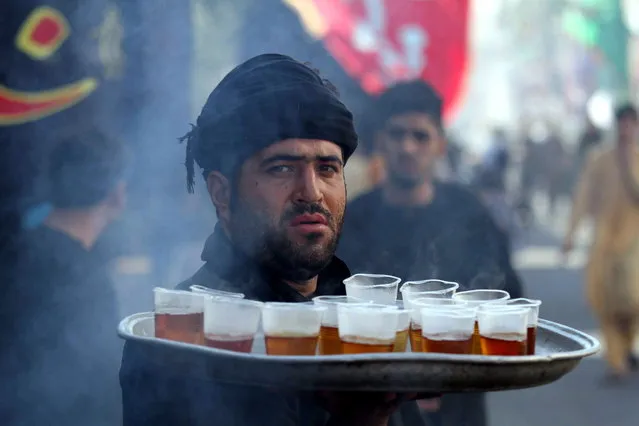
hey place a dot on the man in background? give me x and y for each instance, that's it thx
(608, 192)
(415, 227)
(59, 315)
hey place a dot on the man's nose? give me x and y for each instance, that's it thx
(408, 145)
(308, 186)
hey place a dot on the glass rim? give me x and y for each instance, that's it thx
(287, 306)
(396, 280)
(480, 291)
(215, 292)
(333, 300)
(176, 292)
(405, 286)
(535, 303)
(234, 301)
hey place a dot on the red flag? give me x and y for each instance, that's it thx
(379, 42)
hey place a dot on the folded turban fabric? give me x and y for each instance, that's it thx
(267, 99)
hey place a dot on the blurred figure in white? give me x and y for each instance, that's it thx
(608, 191)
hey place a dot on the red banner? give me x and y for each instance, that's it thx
(379, 42)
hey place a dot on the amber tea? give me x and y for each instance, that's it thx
(229, 343)
(367, 328)
(179, 315)
(181, 327)
(477, 298)
(329, 342)
(416, 305)
(505, 344)
(291, 345)
(403, 327)
(231, 323)
(503, 330)
(533, 318)
(447, 329)
(447, 344)
(359, 345)
(291, 328)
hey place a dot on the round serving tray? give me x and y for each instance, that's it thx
(559, 350)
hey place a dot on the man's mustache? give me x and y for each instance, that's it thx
(300, 209)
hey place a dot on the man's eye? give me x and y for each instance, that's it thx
(280, 169)
(327, 168)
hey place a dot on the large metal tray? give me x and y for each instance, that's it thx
(559, 350)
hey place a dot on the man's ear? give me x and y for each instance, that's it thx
(219, 188)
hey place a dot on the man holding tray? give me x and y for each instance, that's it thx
(272, 141)
(415, 227)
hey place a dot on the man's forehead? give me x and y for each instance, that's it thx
(412, 119)
(302, 148)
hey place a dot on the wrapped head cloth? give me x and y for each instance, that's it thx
(267, 99)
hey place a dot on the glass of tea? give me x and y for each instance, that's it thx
(403, 327)
(448, 329)
(502, 330)
(231, 323)
(291, 328)
(533, 318)
(380, 289)
(416, 305)
(476, 298)
(179, 315)
(367, 328)
(329, 343)
(212, 292)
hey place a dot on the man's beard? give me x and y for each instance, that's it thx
(402, 181)
(255, 233)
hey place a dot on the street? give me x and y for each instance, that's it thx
(577, 399)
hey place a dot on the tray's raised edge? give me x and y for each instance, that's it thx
(591, 347)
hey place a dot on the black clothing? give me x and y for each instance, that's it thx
(60, 349)
(452, 238)
(158, 398)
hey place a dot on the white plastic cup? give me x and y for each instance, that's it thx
(380, 289)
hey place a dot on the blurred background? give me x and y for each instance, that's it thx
(539, 76)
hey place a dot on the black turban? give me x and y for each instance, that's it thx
(267, 99)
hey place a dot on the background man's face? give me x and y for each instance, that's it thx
(410, 144)
(287, 207)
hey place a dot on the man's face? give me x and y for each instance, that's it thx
(628, 129)
(411, 144)
(287, 206)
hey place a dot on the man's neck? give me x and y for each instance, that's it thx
(305, 288)
(82, 226)
(420, 195)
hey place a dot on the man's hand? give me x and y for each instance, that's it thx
(363, 408)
